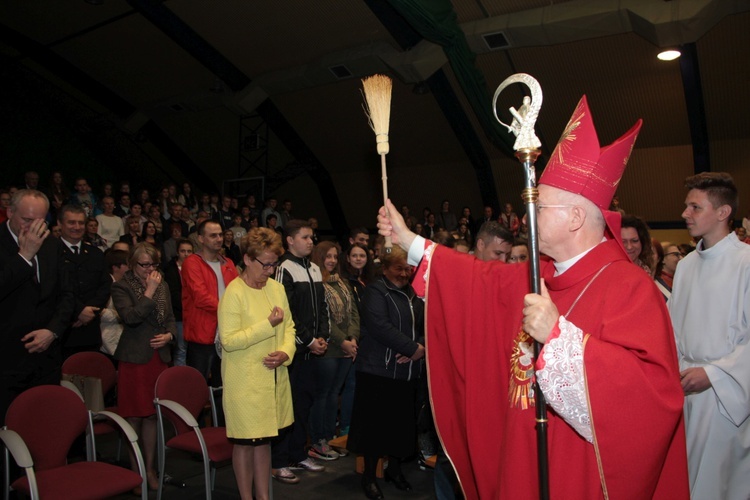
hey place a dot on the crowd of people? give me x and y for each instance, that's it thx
(313, 339)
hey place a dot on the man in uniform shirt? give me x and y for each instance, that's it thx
(89, 279)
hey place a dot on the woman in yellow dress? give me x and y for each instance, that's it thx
(257, 339)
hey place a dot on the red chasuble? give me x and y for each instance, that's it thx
(479, 375)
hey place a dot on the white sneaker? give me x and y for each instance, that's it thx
(323, 451)
(308, 464)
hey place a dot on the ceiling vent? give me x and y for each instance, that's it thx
(341, 72)
(178, 108)
(496, 41)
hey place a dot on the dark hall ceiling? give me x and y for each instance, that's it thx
(188, 70)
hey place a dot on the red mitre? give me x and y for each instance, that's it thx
(578, 165)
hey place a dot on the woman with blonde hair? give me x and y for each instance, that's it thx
(258, 343)
(142, 300)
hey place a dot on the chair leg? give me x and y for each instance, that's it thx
(90, 440)
(161, 452)
(6, 474)
(90, 453)
(207, 476)
(213, 478)
(119, 448)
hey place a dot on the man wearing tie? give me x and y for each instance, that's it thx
(90, 281)
(36, 303)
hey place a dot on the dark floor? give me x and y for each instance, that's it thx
(339, 481)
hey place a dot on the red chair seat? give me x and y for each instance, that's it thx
(219, 447)
(82, 480)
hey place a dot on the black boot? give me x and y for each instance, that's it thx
(398, 480)
(371, 489)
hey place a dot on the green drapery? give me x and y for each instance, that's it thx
(436, 21)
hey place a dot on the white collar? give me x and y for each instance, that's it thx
(561, 267)
(72, 245)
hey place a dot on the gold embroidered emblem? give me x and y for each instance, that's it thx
(568, 136)
(520, 387)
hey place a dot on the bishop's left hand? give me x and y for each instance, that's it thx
(539, 314)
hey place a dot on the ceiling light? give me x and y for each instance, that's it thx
(669, 55)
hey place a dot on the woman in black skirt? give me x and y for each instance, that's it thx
(389, 364)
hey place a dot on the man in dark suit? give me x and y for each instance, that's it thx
(36, 303)
(89, 279)
(122, 209)
(175, 210)
(487, 216)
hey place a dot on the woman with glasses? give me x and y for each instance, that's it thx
(667, 266)
(142, 300)
(258, 343)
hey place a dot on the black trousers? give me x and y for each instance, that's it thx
(203, 357)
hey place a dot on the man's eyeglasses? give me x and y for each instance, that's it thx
(676, 254)
(267, 266)
(540, 206)
(148, 264)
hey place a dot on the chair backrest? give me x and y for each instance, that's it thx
(92, 364)
(184, 385)
(48, 418)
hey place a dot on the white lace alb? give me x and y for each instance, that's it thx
(562, 379)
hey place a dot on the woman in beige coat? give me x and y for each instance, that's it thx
(258, 343)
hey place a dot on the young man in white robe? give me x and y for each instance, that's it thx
(710, 310)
